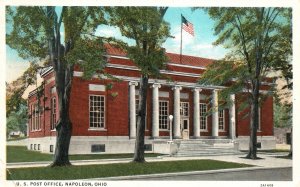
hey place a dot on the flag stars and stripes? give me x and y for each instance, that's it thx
(187, 26)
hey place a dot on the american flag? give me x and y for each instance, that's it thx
(187, 26)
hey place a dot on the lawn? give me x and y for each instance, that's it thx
(285, 157)
(120, 169)
(21, 154)
(270, 151)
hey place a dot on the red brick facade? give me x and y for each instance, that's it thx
(117, 100)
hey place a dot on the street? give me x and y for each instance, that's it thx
(278, 174)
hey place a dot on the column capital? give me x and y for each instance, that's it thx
(156, 85)
(133, 83)
(216, 90)
(197, 89)
(176, 87)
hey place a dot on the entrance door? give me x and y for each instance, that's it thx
(184, 122)
(185, 128)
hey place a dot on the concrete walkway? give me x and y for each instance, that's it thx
(268, 161)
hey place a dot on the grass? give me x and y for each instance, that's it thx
(285, 157)
(270, 151)
(274, 151)
(15, 139)
(120, 169)
(21, 154)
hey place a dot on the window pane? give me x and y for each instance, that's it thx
(163, 114)
(97, 109)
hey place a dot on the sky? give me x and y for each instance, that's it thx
(198, 45)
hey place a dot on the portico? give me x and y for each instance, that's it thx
(188, 105)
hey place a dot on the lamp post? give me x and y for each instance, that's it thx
(171, 119)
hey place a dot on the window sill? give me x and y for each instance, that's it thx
(54, 130)
(96, 129)
(203, 130)
(36, 130)
(222, 131)
(164, 130)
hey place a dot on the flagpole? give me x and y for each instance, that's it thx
(181, 40)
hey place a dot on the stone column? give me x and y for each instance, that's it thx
(215, 114)
(197, 113)
(155, 111)
(177, 133)
(232, 117)
(132, 110)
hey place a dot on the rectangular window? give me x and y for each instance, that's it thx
(221, 120)
(98, 148)
(148, 147)
(40, 118)
(97, 111)
(184, 109)
(31, 117)
(203, 117)
(53, 113)
(163, 114)
(35, 117)
(51, 148)
(39, 147)
(259, 119)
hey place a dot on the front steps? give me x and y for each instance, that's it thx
(206, 147)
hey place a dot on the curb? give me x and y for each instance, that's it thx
(161, 175)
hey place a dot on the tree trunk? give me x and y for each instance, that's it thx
(64, 126)
(141, 119)
(254, 121)
(291, 146)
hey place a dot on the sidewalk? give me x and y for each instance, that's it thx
(266, 161)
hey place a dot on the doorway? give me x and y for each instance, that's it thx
(184, 122)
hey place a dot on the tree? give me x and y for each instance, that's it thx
(16, 120)
(16, 106)
(36, 34)
(254, 37)
(145, 25)
(16, 89)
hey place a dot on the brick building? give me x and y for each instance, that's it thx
(103, 111)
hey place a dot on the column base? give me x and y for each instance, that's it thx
(196, 137)
(216, 137)
(155, 138)
(177, 137)
(132, 138)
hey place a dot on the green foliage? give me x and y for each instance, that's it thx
(147, 28)
(114, 94)
(282, 114)
(37, 34)
(16, 89)
(88, 54)
(28, 34)
(16, 120)
(34, 28)
(255, 37)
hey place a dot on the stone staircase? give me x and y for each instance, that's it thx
(206, 147)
